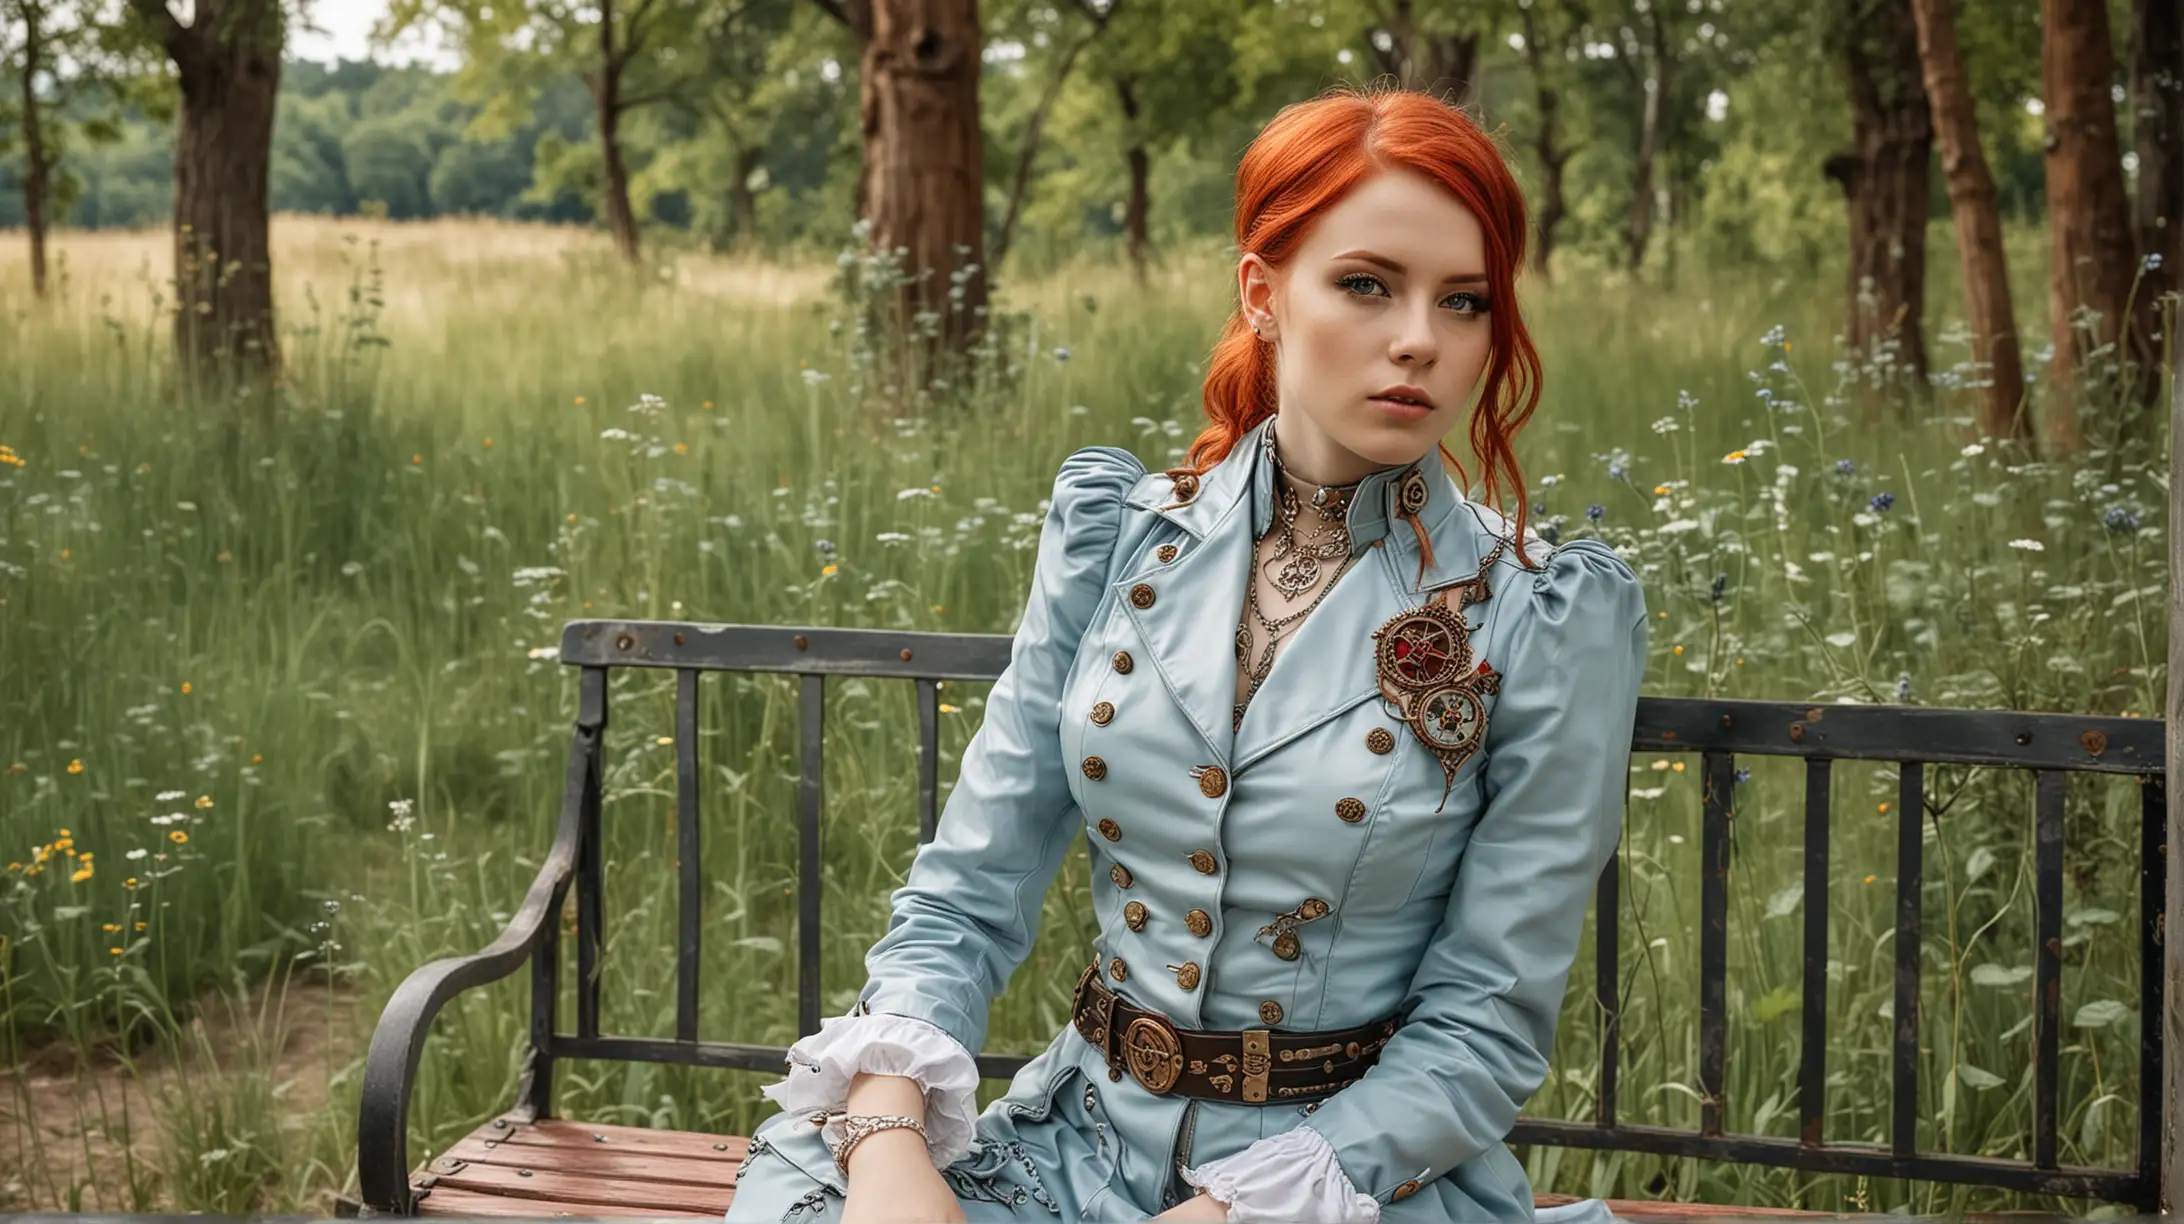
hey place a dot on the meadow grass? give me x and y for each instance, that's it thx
(282, 707)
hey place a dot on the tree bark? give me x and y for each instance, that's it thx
(1885, 180)
(2157, 129)
(1974, 206)
(1554, 205)
(228, 60)
(37, 179)
(1654, 84)
(2089, 220)
(607, 98)
(918, 109)
(1137, 206)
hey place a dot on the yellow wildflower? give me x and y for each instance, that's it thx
(185, 688)
(1884, 809)
(580, 401)
(489, 444)
(1734, 457)
(831, 570)
(666, 739)
(115, 951)
(203, 802)
(80, 876)
(65, 553)
(129, 883)
(75, 767)
(177, 836)
(139, 926)
(682, 448)
(111, 926)
(945, 708)
(1678, 767)
(1679, 650)
(571, 518)
(1870, 879)
(256, 759)
(1660, 490)
(416, 458)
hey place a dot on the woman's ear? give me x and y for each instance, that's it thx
(1255, 292)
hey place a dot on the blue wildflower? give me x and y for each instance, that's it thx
(1720, 588)
(1903, 687)
(1881, 502)
(2153, 262)
(1539, 507)
(1742, 774)
(1596, 512)
(1615, 471)
(1844, 467)
(825, 547)
(2120, 519)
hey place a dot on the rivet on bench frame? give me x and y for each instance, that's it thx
(801, 642)
(906, 654)
(720, 1147)
(523, 1172)
(678, 639)
(598, 1138)
(623, 641)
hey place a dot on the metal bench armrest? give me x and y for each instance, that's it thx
(390, 1064)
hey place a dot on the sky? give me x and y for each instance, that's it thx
(344, 31)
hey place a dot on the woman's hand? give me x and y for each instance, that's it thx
(891, 1175)
(1201, 1206)
(892, 1181)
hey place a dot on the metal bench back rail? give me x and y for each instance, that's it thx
(2050, 746)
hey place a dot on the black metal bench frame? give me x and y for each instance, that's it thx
(2053, 746)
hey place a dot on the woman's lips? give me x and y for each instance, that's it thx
(1401, 410)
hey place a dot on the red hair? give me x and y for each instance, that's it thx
(1310, 156)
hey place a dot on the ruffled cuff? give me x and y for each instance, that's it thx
(1288, 1176)
(823, 1064)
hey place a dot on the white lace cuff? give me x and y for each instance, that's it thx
(1288, 1176)
(822, 1065)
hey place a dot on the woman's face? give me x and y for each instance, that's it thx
(1388, 290)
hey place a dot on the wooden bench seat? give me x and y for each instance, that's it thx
(562, 1169)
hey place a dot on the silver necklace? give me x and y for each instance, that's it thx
(1299, 564)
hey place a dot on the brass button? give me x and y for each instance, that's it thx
(1350, 810)
(1141, 596)
(1199, 923)
(1117, 970)
(1122, 662)
(1404, 1191)
(1134, 914)
(1285, 945)
(1186, 975)
(1212, 782)
(1312, 908)
(1109, 829)
(1094, 768)
(1270, 1012)
(1103, 713)
(1203, 861)
(1120, 875)
(1380, 741)
(1186, 486)
(1166, 553)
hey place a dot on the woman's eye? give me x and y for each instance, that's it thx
(1353, 280)
(1361, 284)
(1469, 303)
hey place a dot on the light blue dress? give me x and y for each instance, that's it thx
(1458, 906)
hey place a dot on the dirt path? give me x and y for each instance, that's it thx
(70, 1125)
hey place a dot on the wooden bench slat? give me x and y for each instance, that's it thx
(446, 1202)
(555, 1183)
(598, 1161)
(560, 1132)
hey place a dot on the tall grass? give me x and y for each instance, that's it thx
(282, 707)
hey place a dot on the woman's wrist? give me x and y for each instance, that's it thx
(899, 1149)
(885, 1094)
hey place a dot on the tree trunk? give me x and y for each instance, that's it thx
(1973, 205)
(2157, 129)
(2089, 219)
(742, 204)
(1885, 180)
(1445, 64)
(1138, 204)
(36, 171)
(607, 95)
(1028, 148)
(1554, 205)
(228, 61)
(924, 161)
(1655, 86)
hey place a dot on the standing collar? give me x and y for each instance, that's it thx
(1374, 501)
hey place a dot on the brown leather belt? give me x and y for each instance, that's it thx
(1255, 1066)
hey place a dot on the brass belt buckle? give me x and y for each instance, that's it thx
(1257, 1062)
(1154, 1053)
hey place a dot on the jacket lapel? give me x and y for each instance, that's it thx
(1328, 664)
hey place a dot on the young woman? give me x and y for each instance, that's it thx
(1349, 750)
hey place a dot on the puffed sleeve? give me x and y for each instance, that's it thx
(1482, 1006)
(967, 914)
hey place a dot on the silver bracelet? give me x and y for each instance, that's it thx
(857, 1128)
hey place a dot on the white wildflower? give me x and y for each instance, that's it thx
(2028, 545)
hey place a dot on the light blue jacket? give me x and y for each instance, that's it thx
(1463, 920)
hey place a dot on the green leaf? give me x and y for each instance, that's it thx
(1776, 1004)
(2100, 1013)
(2092, 917)
(1974, 1077)
(1785, 902)
(1996, 975)
(1978, 864)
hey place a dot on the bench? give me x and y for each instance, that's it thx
(528, 1163)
